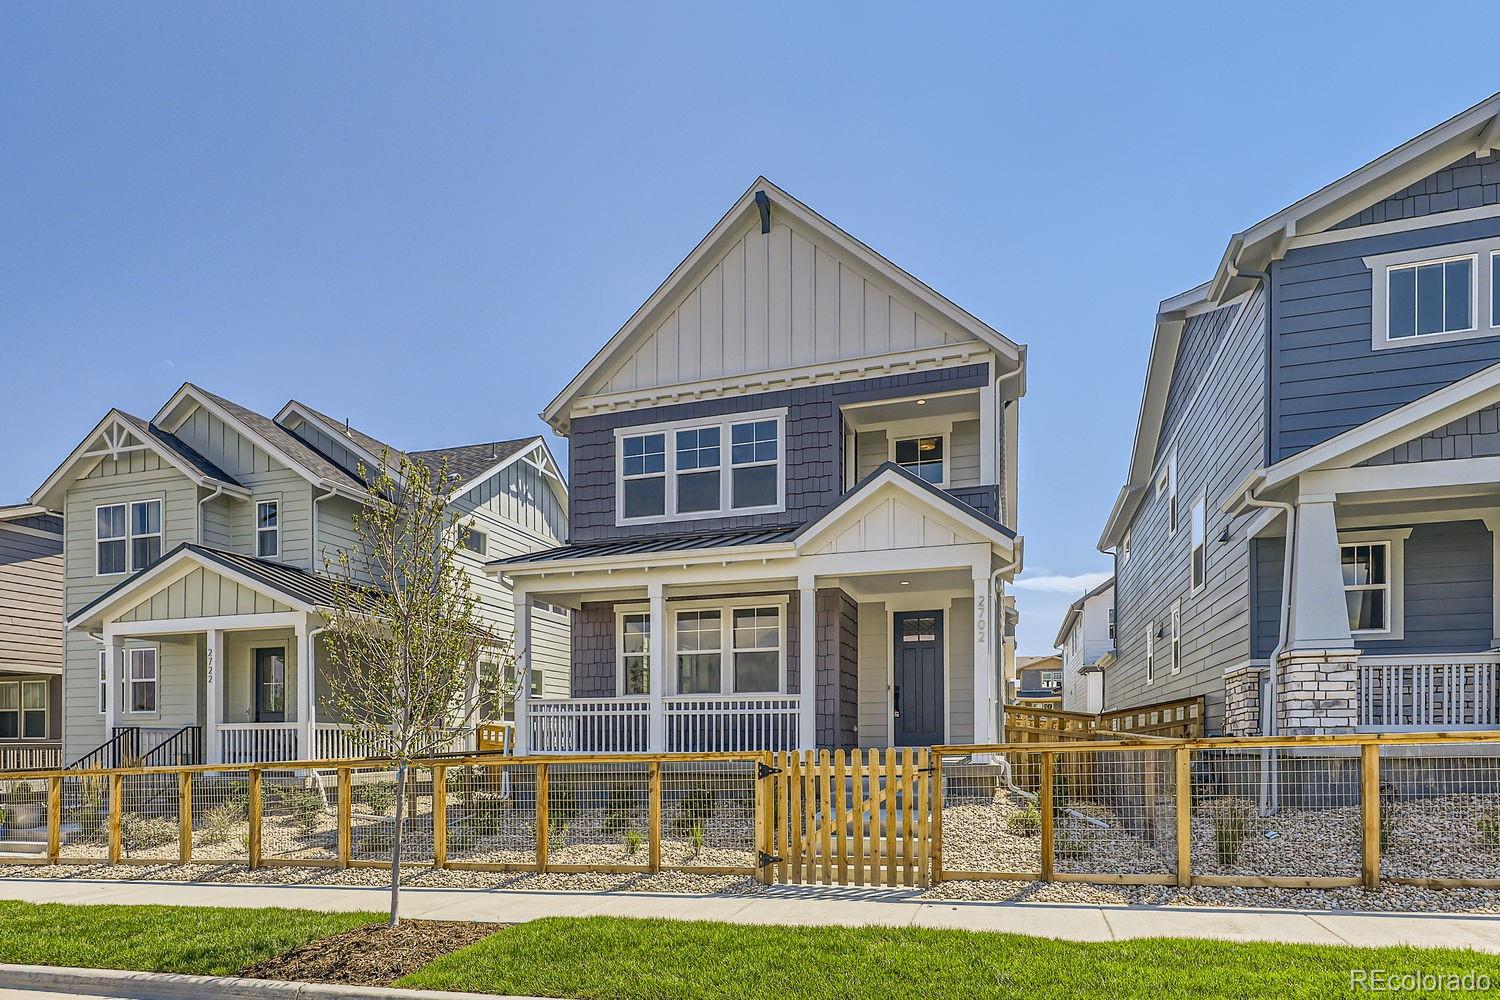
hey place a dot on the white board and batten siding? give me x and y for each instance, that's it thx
(776, 301)
(889, 522)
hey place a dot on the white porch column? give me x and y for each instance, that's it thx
(656, 686)
(986, 621)
(213, 696)
(307, 744)
(521, 649)
(989, 444)
(807, 662)
(114, 663)
(1319, 614)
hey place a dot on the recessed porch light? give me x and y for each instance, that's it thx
(921, 402)
(906, 583)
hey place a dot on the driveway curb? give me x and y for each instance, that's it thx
(170, 986)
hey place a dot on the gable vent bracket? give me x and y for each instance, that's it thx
(763, 202)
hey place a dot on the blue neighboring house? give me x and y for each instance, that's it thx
(1309, 530)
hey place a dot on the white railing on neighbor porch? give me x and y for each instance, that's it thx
(335, 741)
(257, 742)
(731, 723)
(30, 758)
(589, 725)
(694, 724)
(1429, 696)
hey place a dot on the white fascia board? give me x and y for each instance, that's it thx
(857, 504)
(169, 571)
(639, 560)
(22, 510)
(1437, 475)
(293, 407)
(190, 391)
(740, 213)
(1434, 410)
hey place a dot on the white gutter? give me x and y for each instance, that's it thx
(313, 556)
(218, 492)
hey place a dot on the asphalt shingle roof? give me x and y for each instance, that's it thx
(178, 447)
(467, 461)
(288, 443)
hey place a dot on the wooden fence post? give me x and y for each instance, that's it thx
(54, 819)
(252, 813)
(936, 863)
(185, 817)
(1045, 805)
(439, 816)
(1369, 800)
(1184, 783)
(345, 816)
(116, 807)
(653, 815)
(541, 817)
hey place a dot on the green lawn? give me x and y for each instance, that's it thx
(209, 941)
(602, 958)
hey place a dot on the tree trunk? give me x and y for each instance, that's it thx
(396, 844)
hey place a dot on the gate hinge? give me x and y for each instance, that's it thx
(767, 860)
(765, 770)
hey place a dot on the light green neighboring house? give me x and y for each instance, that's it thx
(195, 559)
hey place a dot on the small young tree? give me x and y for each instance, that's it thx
(404, 634)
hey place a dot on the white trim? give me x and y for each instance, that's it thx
(21, 710)
(726, 606)
(1175, 659)
(669, 430)
(1450, 218)
(1381, 266)
(1150, 652)
(274, 531)
(1394, 542)
(944, 437)
(123, 538)
(229, 623)
(621, 613)
(1198, 519)
(154, 681)
(941, 604)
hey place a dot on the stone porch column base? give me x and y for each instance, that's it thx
(1242, 700)
(1316, 691)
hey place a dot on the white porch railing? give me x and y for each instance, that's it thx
(731, 723)
(27, 758)
(334, 740)
(1429, 696)
(257, 742)
(694, 724)
(588, 725)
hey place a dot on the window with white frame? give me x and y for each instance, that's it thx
(268, 529)
(700, 657)
(1172, 494)
(1430, 297)
(922, 456)
(756, 638)
(1125, 548)
(635, 654)
(10, 710)
(111, 540)
(141, 680)
(1367, 585)
(103, 680)
(1150, 652)
(700, 468)
(1495, 288)
(1110, 617)
(1050, 679)
(477, 542)
(145, 533)
(1199, 556)
(1176, 636)
(33, 710)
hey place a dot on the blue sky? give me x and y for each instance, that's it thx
(427, 218)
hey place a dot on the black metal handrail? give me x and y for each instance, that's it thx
(123, 746)
(183, 747)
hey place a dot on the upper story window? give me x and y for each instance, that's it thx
(127, 536)
(475, 541)
(922, 456)
(1110, 617)
(268, 529)
(1172, 494)
(1176, 636)
(1150, 652)
(685, 471)
(1434, 294)
(1051, 679)
(1200, 548)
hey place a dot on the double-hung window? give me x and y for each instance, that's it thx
(1110, 614)
(700, 468)
(1200, 548)
(141, 679)
(1367, 585)
(1051, 679)
(635, 654)
(700, 658)
(103, 679)
(268, 529)
(1172, 494)
(1150, 652)
(757, 649)
(127, 536)
(10, 710)
(1176, 636)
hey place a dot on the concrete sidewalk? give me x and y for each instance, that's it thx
(811, 906)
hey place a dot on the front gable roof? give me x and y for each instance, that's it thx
(369, 448)
(1250, 252)
(121, 433)
(734, 261)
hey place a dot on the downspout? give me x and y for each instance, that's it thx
(218, 492)
(312, 556)
(1287, 560)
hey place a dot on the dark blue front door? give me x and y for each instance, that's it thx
(918, 677)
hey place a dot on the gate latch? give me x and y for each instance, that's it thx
(765, 770)
(767, 860)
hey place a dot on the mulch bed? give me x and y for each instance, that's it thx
(371, 956)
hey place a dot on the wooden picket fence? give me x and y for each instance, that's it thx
(1181, 718)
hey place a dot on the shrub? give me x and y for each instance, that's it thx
(1233, 824)
(633, 841)
(697, 839)
(694, 809)
(1025, 823)
(304, 806)
(143, 833)
(219, 822)
(377, 796)
(1489, 827)
(93, 804)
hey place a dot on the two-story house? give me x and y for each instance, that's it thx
(794, 502)
(1037, 681)
(1086, 636)
(30, 637)
(196, 557)
(1309, 532)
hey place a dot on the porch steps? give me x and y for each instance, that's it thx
(24, 848)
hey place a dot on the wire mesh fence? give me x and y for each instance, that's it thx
(84, 819)
(299, 816)
(220, 817)
(149, 817)
(598, 814)
(491, 815)
(1114, 813)
(708, 814)
(373, 795)
(24, 817)
(1440, 813)
(1284, 813)
(991, 818)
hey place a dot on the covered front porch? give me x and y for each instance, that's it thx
(872, 627)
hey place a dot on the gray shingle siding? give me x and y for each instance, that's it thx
(985, 499)
(1326, 379)
(814, 447)
(1474, 436)
(838, 669)
(1446, 595)
(1219, 440)
(1470, 183)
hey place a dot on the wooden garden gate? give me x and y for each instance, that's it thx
(850, 817)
